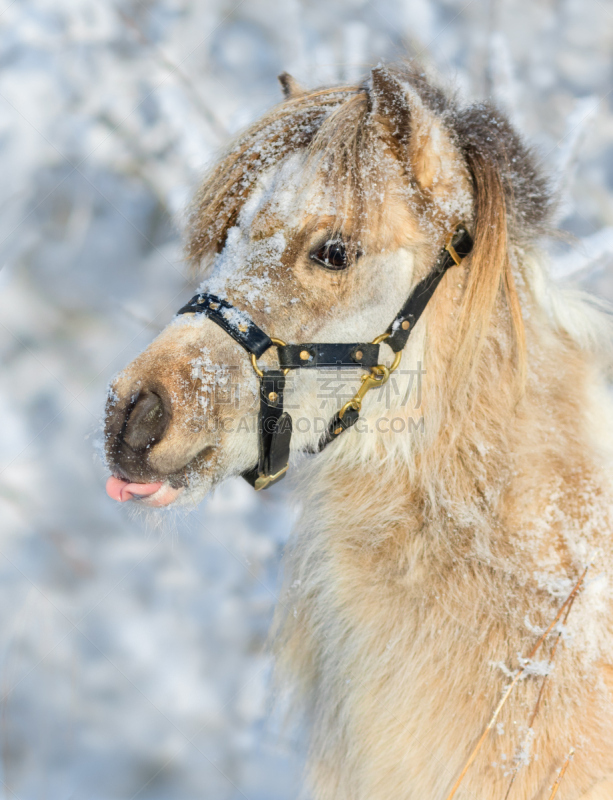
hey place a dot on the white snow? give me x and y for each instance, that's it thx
(132, 647)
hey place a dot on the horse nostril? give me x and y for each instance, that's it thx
(146, 422)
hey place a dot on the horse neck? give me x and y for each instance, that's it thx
(475, 477)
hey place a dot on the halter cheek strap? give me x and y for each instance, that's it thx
(275, 424)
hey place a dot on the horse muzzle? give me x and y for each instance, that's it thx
(135, 424)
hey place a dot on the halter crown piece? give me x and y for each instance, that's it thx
(275, 424)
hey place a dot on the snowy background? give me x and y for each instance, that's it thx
(132, 648)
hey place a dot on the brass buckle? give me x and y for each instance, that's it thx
(254, 361)
(263, 481)
(451, 249)
(378, 376)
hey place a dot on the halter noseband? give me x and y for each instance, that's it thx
(275, 424)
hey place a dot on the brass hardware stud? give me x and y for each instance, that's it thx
(273, 397)
(337, 431)
(305, 355)
(214, 306)
(243, 328)
(406, 325)
(359, 355)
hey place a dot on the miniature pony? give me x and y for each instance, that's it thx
(440, 537)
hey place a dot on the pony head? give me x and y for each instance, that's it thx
(317, 223)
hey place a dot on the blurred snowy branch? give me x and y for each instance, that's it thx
(133, 662)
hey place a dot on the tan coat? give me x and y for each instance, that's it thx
(437, 542)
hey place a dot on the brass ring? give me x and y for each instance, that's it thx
(450, 248)
(380, 373)
(353, 403)
(279, 343)
(254, 361)
(381, 338)
(254, 364)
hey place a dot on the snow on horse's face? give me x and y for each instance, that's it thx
(324, 244)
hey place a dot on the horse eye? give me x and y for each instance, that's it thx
(331, 255)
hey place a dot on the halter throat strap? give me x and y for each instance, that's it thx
(275, 424)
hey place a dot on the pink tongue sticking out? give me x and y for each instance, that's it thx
(121, 490)
(153, 494)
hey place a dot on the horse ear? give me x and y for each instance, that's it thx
(418, 132)
(290, 86)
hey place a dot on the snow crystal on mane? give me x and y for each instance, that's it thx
(533, 666)
(277, 194)
(523, 756)
(509, 673)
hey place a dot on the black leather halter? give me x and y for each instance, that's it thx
(275, 424)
